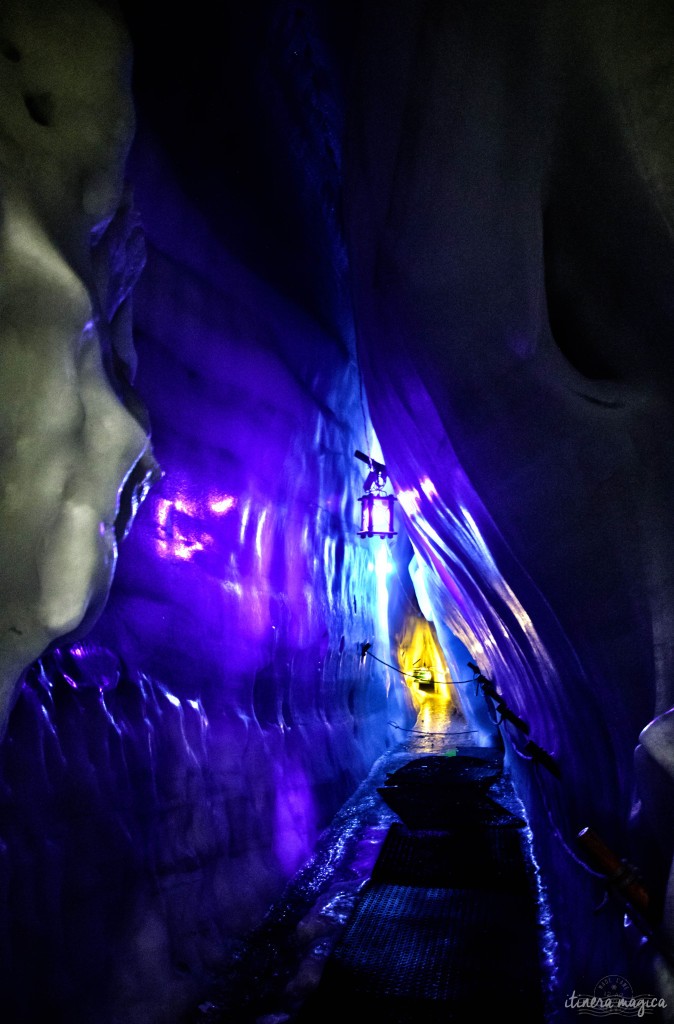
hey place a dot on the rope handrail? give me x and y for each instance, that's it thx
(366, 651)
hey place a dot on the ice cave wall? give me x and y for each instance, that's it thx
(166, 772)
(509, 214)
(510, 256)
(507, 207)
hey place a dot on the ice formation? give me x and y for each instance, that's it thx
(69, 443)
(439, 234)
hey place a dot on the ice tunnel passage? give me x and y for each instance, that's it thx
(236, 247)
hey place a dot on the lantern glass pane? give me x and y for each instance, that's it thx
(381, 515)
(365, 516)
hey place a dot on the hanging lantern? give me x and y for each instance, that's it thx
(424, 679)
(376, 506)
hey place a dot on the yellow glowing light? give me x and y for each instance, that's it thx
(420, 656)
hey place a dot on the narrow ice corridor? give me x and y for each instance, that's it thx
(336, 380)
(278, 972)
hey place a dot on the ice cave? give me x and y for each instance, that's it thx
(337, 458)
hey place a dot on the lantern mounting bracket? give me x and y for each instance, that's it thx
(376, 479)
(372, 463)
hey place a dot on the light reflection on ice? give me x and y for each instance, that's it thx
(286, 957)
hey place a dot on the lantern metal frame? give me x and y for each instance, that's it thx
(376, 502)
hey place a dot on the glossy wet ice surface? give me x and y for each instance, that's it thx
(282, 963)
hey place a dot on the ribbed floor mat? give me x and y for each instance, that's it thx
(455, 949)
(446, 930)
(491, 859)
